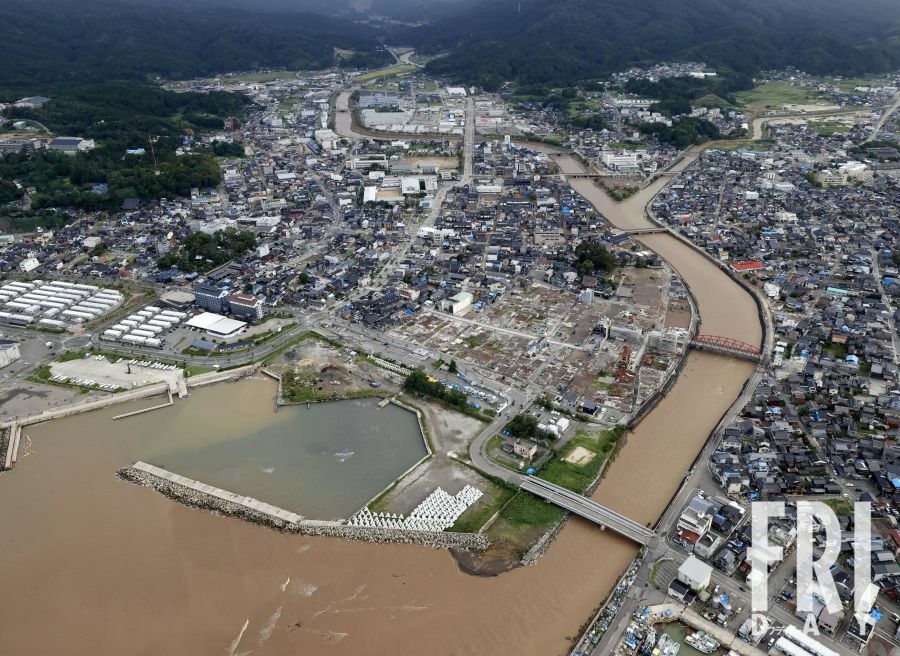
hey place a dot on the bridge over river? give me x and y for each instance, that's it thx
(726, 346)
(586, 508)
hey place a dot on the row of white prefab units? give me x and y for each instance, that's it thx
(145, 327)
(55, 304)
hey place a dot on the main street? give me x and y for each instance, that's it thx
(400, 252)
(876, 272)
(884, 117)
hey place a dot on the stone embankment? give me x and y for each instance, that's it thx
(540, 547)
(205, 497)
(5, 446)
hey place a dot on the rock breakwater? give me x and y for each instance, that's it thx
(197, 498)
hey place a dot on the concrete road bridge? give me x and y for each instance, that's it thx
(586, 508)
(646, 231)
(726, 346)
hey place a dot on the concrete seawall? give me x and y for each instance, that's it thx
(153, 389)
(10, 429)
(15, 436)
(269, 513)
(150, 409)
(206, 497)
(218, 376)
(77, 408)
(5, 448)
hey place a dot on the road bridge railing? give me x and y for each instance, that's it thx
(586, 508)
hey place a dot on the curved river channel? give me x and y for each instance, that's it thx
(91, 565)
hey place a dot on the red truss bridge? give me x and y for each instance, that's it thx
(726, 346)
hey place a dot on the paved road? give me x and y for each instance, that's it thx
(876, 271)
(469, 142)
(584, 507)
(236, 359)
(884, 117)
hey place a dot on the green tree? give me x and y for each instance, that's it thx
(592, 258)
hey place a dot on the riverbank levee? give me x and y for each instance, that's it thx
(187, 582)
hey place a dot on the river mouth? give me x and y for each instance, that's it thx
(93, 565)
(323, 461)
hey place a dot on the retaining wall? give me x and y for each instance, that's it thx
(153, 389)
(77, 408)
(5, 448)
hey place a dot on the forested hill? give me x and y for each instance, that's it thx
(400, 11)
(535, 41)
(48, 42)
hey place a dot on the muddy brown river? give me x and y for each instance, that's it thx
(91, 565)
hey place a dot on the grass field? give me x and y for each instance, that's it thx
(712, 100)
(849, 84)
(529, 510)
(738, 144)
(397, 69)
(776, 94)
(578, 477)
(828, 128)
(475, 517)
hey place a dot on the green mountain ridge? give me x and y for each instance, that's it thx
(58, 42)
(569, 40)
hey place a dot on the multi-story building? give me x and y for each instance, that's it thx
(71, 145)
(211, 297)
(696, 517)
(245, 306)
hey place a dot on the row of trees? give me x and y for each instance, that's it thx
(417, 382)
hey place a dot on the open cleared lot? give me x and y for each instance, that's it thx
(543, 335)
(385, 72)
(449, 434)
(119, 373)
(777, 93)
